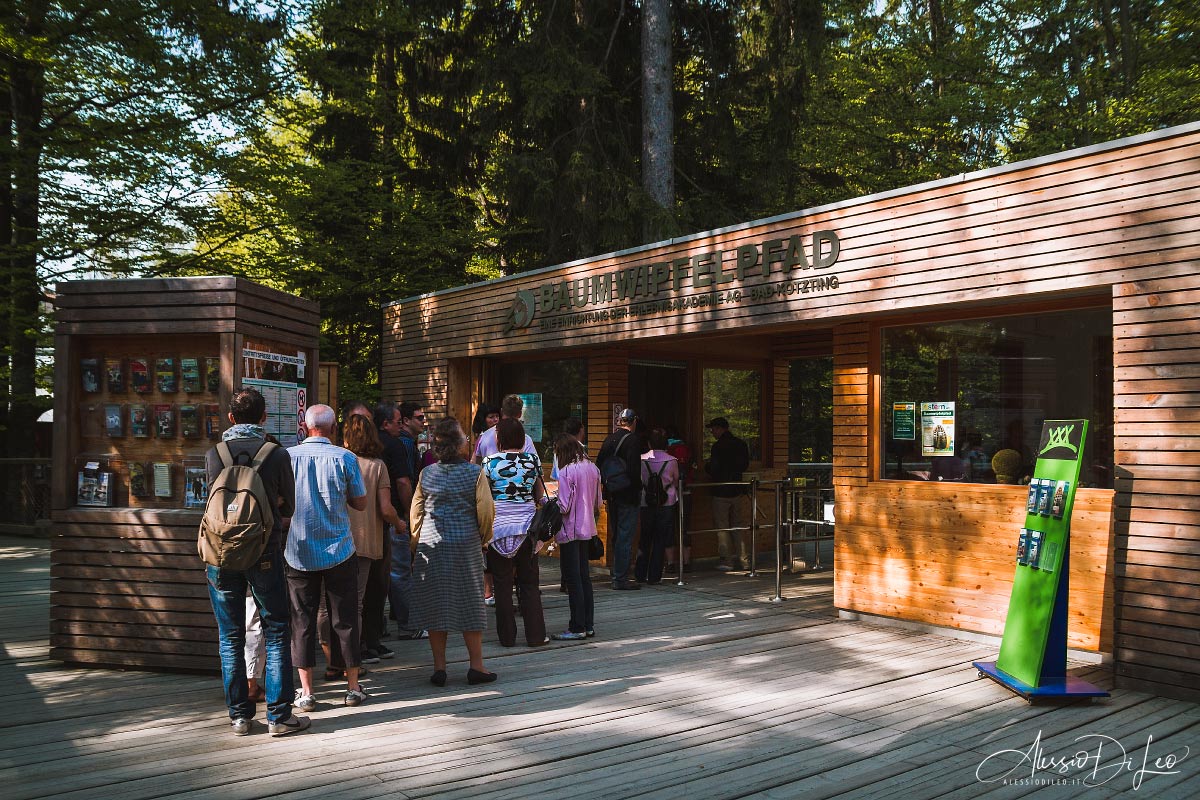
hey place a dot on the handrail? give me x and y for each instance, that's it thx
(752, 485)
(782, 487)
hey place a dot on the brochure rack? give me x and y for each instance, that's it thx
(143, 373)
(1033, 653)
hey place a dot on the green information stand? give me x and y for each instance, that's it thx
(1033, 653)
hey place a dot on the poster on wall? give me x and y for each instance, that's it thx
(531, 417)
(904, 421)
(280, 379)
(617, 409)
(937, 429)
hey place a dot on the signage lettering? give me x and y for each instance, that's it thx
(714, 273)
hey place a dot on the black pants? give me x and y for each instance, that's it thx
(375, 599)
(524, 567)
(304, 591)
(574, 563)
(658, 525)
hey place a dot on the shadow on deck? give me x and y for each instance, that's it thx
(709, 691)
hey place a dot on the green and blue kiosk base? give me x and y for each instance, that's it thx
(1047, 688)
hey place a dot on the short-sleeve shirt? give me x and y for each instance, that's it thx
(487, 445)
(366, 526)
(394, 459)
(512, 476)
(326, 475)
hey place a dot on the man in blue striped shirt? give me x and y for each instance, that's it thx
(320, 552)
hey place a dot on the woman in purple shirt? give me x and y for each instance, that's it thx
(579, 496)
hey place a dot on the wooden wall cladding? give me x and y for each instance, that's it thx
(184, 305)
(1156, 344)
(127, 589)
(1068, 224)
(944, 554)
(851, 399)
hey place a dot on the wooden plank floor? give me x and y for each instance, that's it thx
(707, 691)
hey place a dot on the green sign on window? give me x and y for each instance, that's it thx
(904, 421)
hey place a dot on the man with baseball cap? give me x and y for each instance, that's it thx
(623, 491)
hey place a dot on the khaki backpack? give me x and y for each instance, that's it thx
(238, 516)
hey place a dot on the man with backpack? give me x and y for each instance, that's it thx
(620, 463)
(660, 500)
(246, 541)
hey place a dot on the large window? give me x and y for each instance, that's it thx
(559, 386)
(994, 382)
(735, 394)
(810, 413)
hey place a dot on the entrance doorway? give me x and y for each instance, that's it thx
(658, 392)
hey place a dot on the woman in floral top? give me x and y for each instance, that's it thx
(516, 490)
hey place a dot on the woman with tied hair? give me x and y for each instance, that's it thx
(451, 521)
(580, 497)
(513, 474)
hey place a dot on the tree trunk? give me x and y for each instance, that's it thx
(658, 129)
(28, 94)
(6, 237)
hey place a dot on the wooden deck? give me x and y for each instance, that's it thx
(703, 692)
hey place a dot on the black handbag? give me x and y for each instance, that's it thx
(548, 519)
(595, 548)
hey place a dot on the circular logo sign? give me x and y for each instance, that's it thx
(521, 313)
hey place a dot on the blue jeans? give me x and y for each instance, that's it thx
(400, 582)
(227, 591)
(573, 561)
(626, 526)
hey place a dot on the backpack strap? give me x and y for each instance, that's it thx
(225, 454)
(617, 449)
(263, 453)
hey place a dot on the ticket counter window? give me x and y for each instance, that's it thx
(562, 388)
(736, 394)
(995, 381)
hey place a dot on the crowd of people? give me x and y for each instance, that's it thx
(439, 537)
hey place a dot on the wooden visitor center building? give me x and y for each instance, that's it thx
(902, 349)
(1059, 288)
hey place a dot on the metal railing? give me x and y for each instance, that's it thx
(752, 485)
(801, 505)
(25, 487)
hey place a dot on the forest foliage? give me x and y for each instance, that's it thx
(358, 152)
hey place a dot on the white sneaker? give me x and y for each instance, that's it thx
(489, 601)
(293, 724)
(304, 702)
(355, 697)
(241, 726)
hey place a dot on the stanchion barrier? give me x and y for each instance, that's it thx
(805, 506)
(752, 485)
